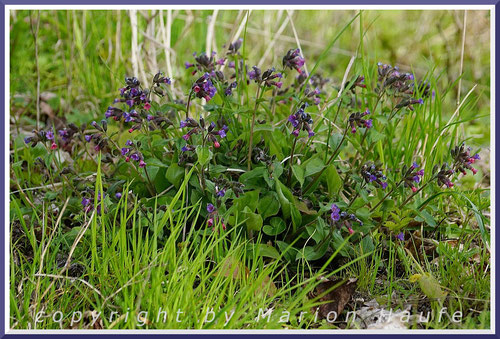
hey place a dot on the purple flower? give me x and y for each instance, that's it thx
(369, 123)
(293, 120)
(184, 149)
(183, 123)
(127, 117)
(129, 143)
(150, 117)
(125, 150)
(185, 137)
(296, 132)
(143, 97)
(130, 102)
(231, 64)
(222, 133)
(210, 208)
(335, 208)
(414, 165)
(383, 185)
(311, 134)
(27, 140)
(335, 216)
(85, 202)
(252, 75)
(416, 178)
(372, 178)
(142, 164)
(421, 172)
(401, 236)
(88, 138)
(50, 135)
(135, 157)
(188, 65)
(420, 101)
(118, 195)
(221, 193)
(221, 61)
(477, 157)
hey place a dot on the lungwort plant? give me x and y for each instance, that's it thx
(283, 155)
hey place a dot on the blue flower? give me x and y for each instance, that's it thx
(210, 208)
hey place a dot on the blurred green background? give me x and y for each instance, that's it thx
(84, 55)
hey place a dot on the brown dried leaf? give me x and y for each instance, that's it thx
(339, 293)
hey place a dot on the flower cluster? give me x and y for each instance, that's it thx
(444, 175)
(222, 185)
(214, 218)
(235, 46)
(41, 136)
(158, 121)
(131, 152)
(159, 79)
(204, 63)
(313, 95)
(199, 127)
(260, 153)
(341, 218)
(412, 176)
(133, 95)
(357, 120)
(88, 202)
(204, 88)
(408, 102)
(293, 60)
(301, 120)
(390, 77)
(373, 174)
(229, 88)
(268, 77)
(463, 160)
(358, 81)
(100, 141)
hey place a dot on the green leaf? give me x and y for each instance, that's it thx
(254, 221)
(265, 250)
(285, 203)
(175, 174)
(268, 206)
(429, 285)
(248, 200)
(299, 173)
(204, 154)
(277, 226)
(312, 252)
(333, 180)
(427, 218)
(289, 252)
(313, 166)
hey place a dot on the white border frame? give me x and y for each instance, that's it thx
(8, 8)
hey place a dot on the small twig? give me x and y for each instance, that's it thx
(35, 38)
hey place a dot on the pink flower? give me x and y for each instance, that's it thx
(147, 106)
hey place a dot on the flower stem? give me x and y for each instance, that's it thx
(291, 161)
(250, 143)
